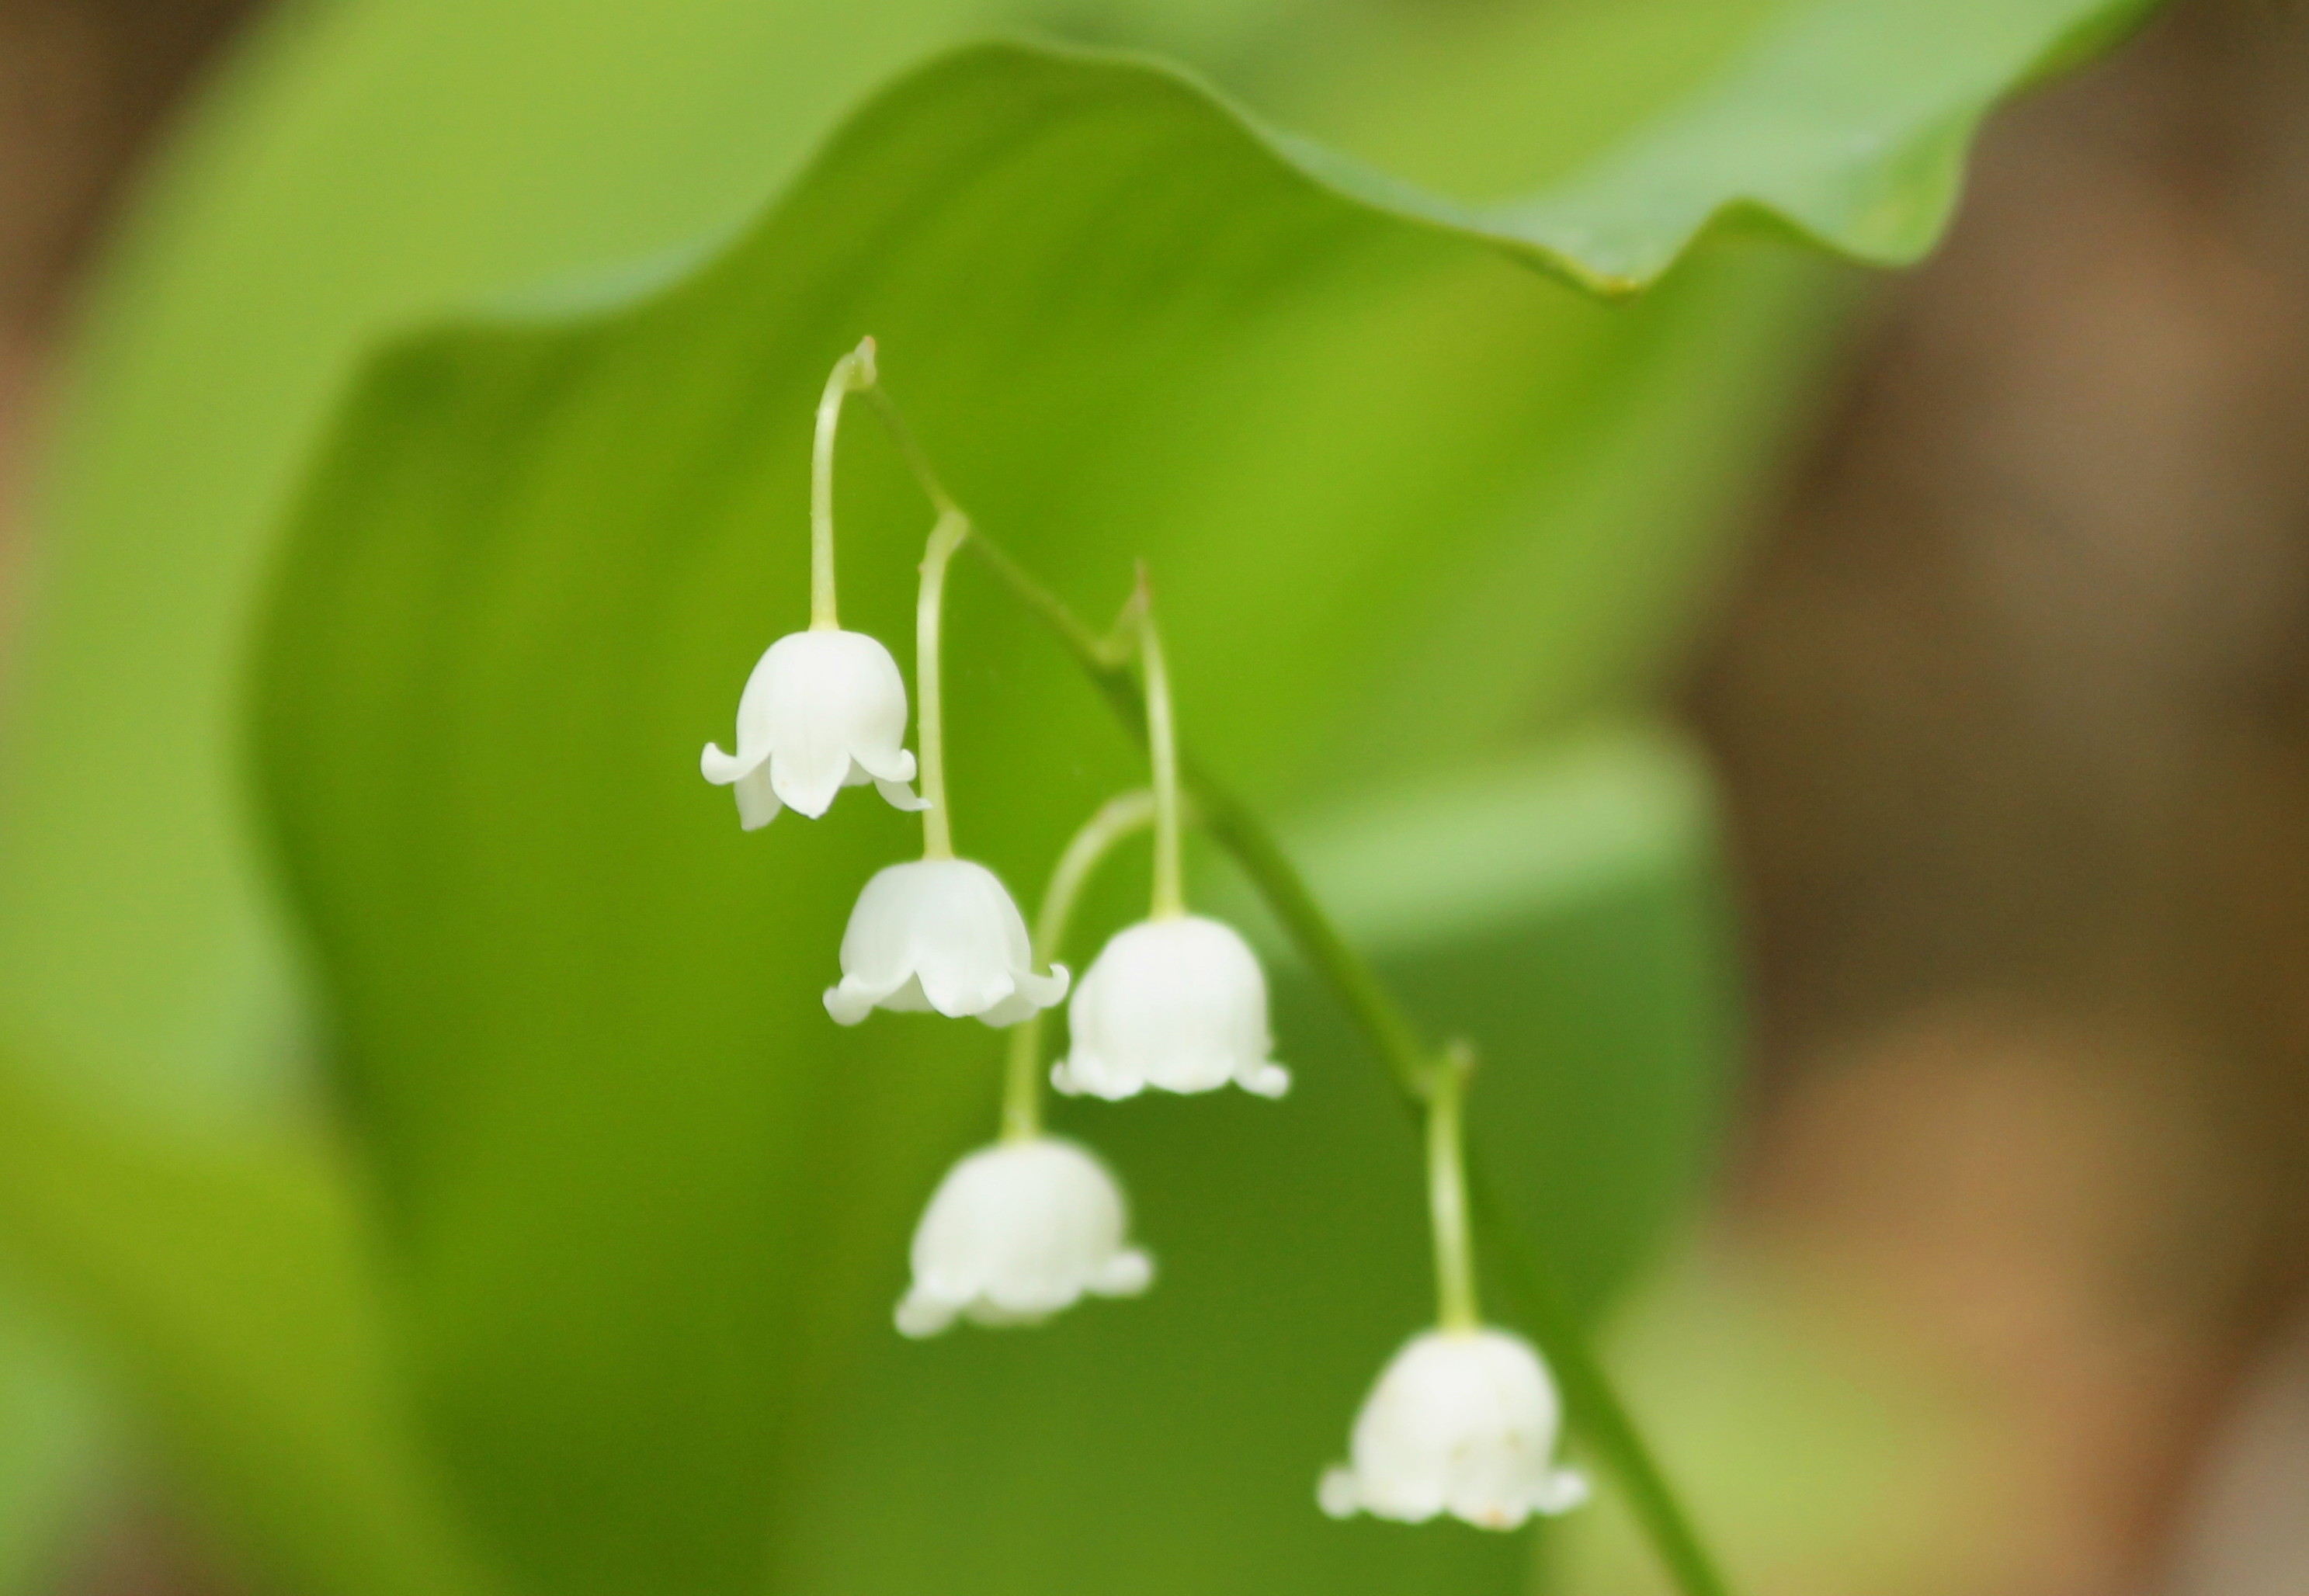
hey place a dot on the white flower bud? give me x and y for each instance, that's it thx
(1464, 1422)
(1178, 1003)
(942, 935)
(1018, 1232)
(822, 710)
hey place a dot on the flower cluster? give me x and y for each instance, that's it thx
(1464, 1421)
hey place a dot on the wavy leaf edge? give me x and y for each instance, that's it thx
(604, 294)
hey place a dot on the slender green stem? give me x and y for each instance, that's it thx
(910, 451)
(1118, 818)
(1455, 1308)
(953, 529)
(852, 373)
(1022, 1080)
(1103, 656)
(1163, 752)
(1590, 1398)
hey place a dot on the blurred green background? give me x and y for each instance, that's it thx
(423, 1161)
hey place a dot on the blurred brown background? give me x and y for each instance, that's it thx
(2012, 705)
(2014, 711)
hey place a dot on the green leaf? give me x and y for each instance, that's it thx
(372, 160)
(649, 1198)
(1844, 123)
(651, 1205)
(225, 1284)
(648, 1213)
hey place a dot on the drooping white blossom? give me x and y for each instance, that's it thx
(1018, 1232)
(822, 710)
(1464, 1422)
(1178, 1003)
(940, 935)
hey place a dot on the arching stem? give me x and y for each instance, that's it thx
(853, 373)
(1118, 818)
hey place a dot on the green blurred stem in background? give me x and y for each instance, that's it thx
(1117, 820)
(1593, 1405)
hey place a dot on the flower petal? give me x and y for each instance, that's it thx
(808, 777)
(1126, 1274)
(1268, 1079)
(906, 998)
(854, 998)
(920, 1314)
(901, 795)
(886, 764)
(960, 996)
(1029, 994)
(722, 768)
(1086, 1074)
(1562, 1490)
(1045, 991)
(757, 800)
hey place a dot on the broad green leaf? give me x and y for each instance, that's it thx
(650, 1205)
(226, 1284)
(1846, 124)
(379, 159)
(374, 160)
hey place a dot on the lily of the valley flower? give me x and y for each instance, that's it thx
(1463, 1422)
(1016, 1232)
(940, 933)
(1177, 1003)
(822, 710)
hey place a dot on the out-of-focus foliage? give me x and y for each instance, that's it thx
(229, 1284)
(53, 1433)
(1876, 1478)
(1414, 507)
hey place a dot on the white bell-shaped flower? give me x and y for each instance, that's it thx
(822, 710)
(1018, 1232)
(940, 934)
(1464, 1422)
(1178, 1003)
